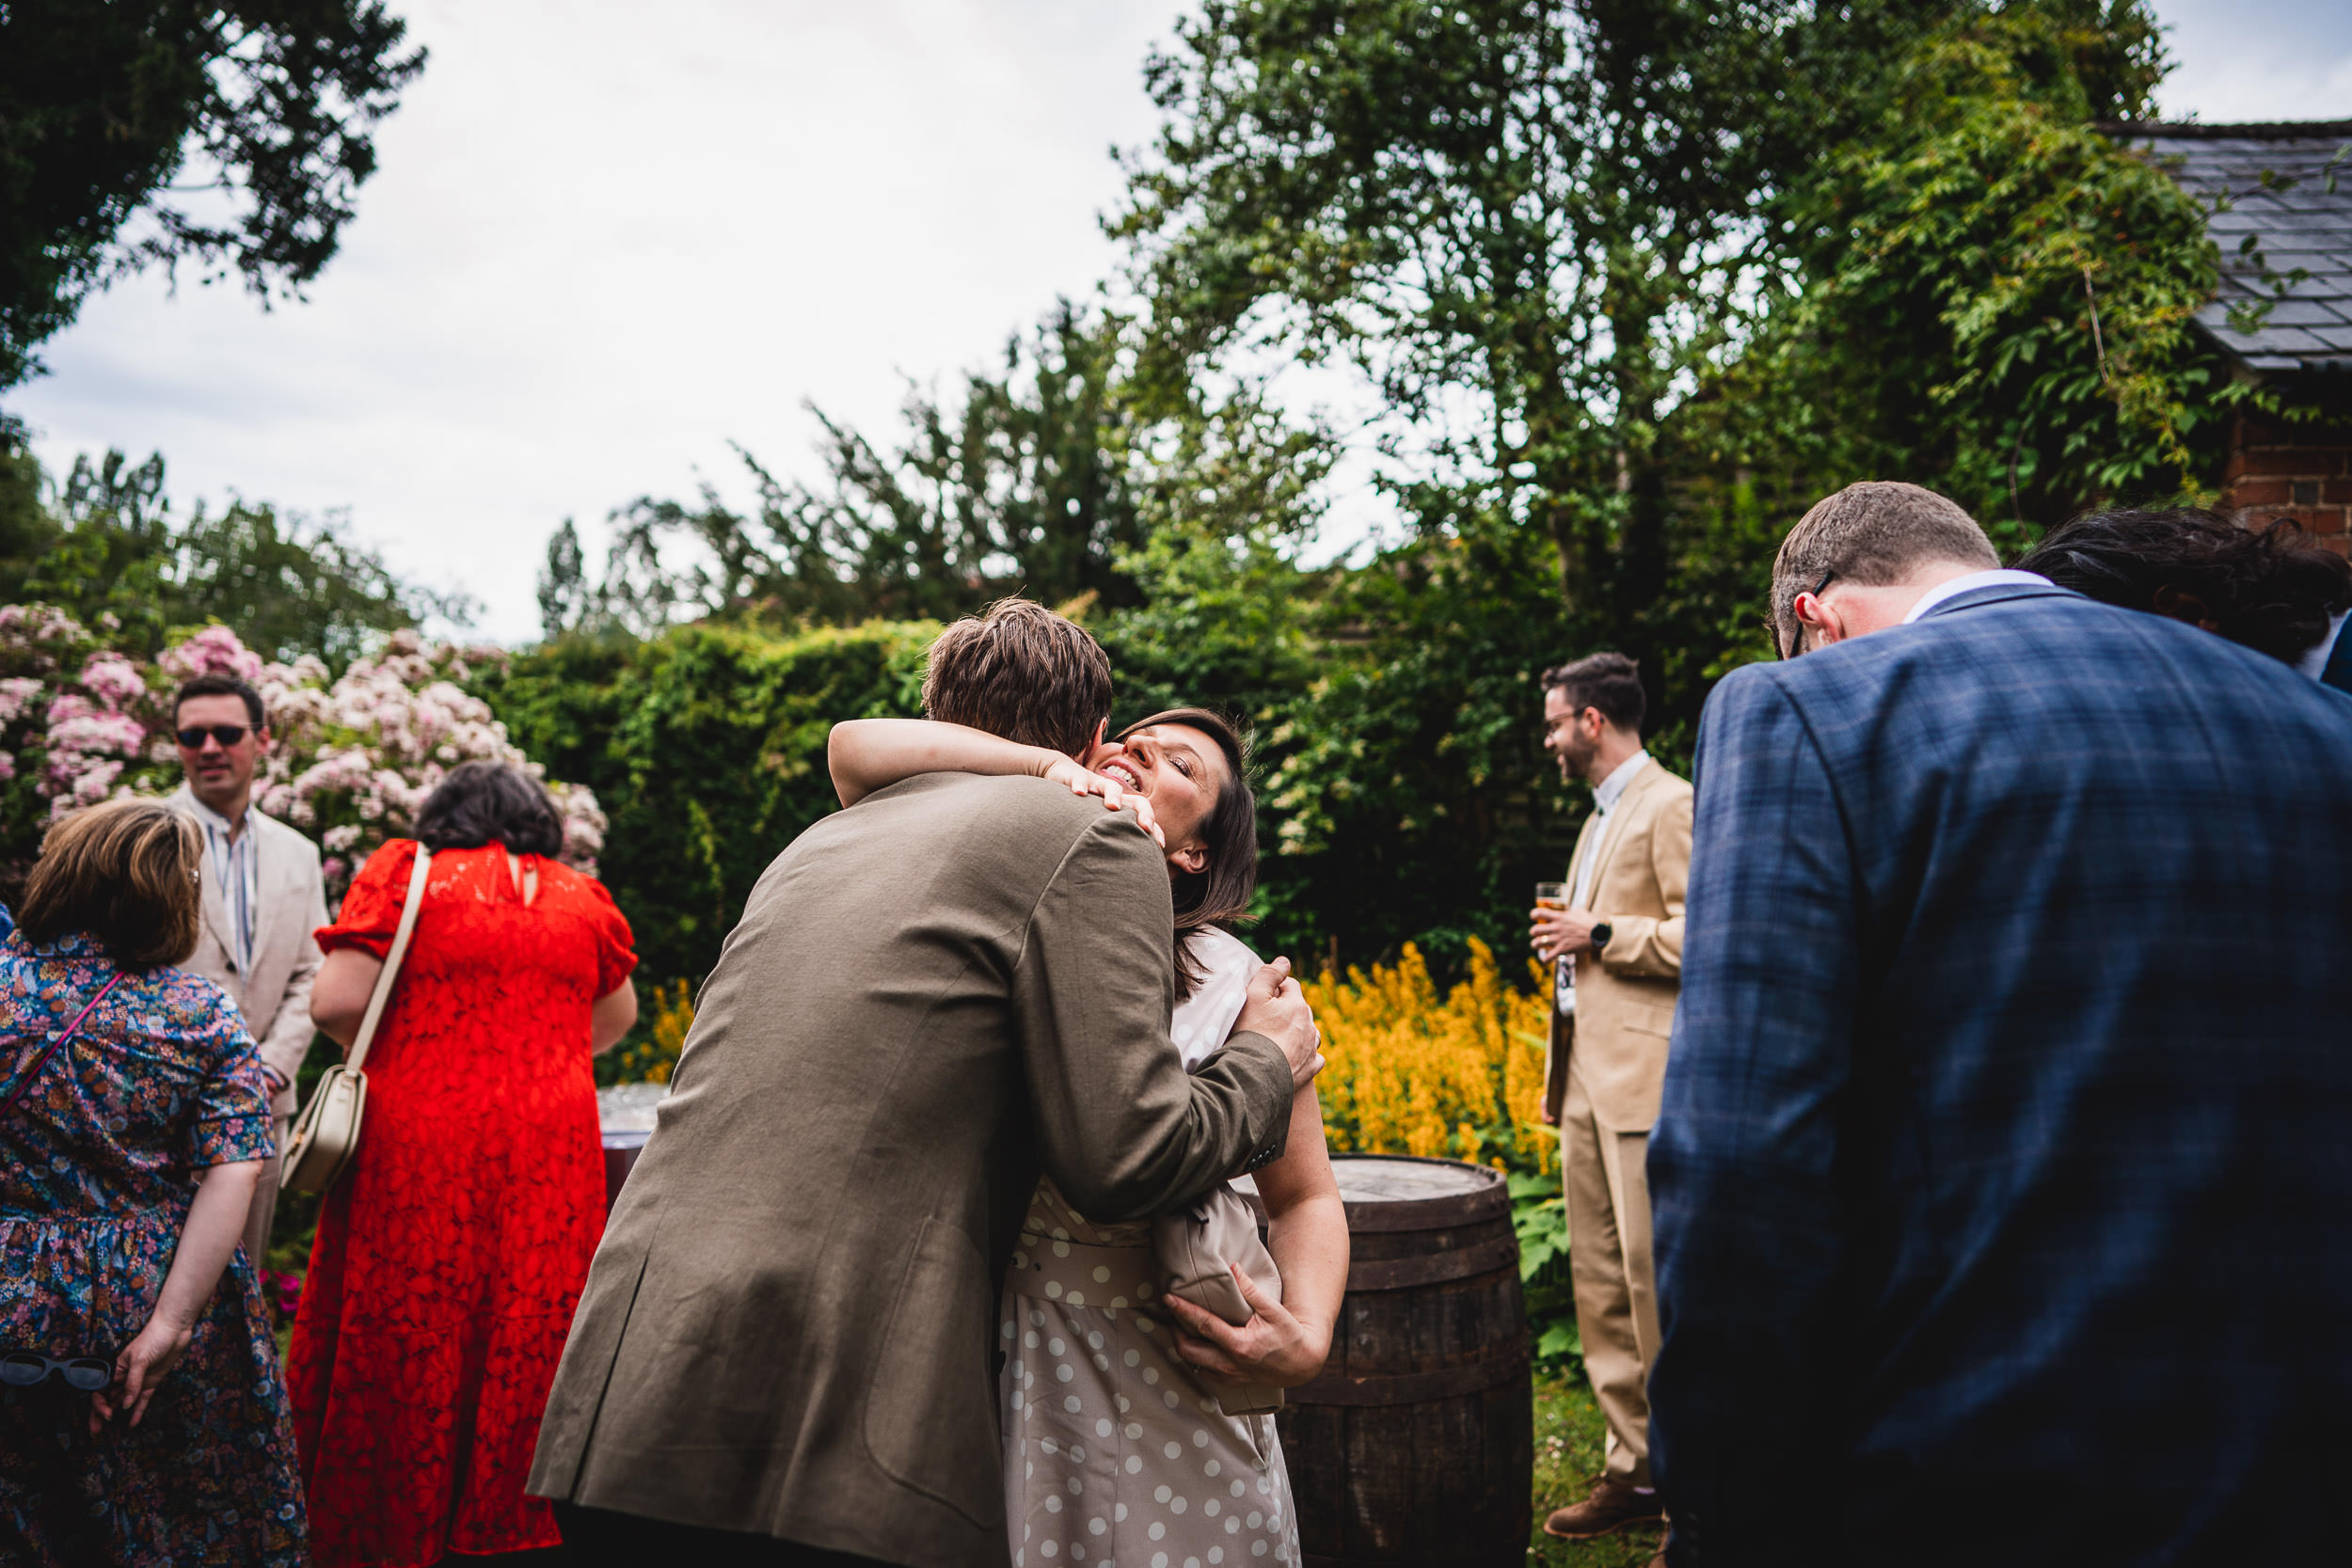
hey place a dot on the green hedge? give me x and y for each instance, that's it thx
(1402, 796)
(707, 748)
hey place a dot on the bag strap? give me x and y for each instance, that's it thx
(64, 1034)
(390, 972)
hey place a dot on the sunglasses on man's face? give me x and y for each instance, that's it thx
(25, 1369)
(228, 734)
(1795, 644)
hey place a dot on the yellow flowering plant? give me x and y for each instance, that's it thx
(1458, 1076)
(649, 1051)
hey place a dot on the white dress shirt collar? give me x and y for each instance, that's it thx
(2000, 577)
(2314, 663)
(1606, 792)
(213, 819)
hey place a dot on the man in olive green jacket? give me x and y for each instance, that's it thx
(788, 1335)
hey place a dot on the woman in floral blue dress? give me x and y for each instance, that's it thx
(128, 1156)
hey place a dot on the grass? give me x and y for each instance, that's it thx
(1568, 1432)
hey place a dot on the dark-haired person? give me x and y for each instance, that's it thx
(1616, 952)
(2270, 588)
(262, 899)
(785, 1353)
(129, 1149)
(1102, 1365)
(450, 1255)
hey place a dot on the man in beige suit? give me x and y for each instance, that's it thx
(787, 1350)
(264, 898)
(1617, 950)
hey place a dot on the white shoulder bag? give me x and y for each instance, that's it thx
(328, 1136)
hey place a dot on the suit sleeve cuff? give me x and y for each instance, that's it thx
(1264, 1058)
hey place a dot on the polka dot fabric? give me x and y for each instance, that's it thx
(1201, 1024)
(1115, 1456)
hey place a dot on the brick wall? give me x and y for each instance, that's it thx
(2303, 471)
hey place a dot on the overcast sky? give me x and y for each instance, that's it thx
(607, 239)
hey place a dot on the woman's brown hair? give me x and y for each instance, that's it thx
(125, 873)
(1219, 893)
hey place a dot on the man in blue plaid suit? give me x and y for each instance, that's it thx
(2003, 1180)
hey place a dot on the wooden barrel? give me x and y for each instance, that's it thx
(621, 1149)
(1417, 1445)
(625, 1117)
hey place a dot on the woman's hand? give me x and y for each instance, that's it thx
(1066, 772)
(208, 1239)
(1273, 1347)
(142, 1365)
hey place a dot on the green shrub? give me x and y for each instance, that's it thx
(707, 746)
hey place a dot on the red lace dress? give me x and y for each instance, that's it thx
(450, 1256)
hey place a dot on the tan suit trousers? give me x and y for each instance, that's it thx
(1607, 1184)
(264, 1209)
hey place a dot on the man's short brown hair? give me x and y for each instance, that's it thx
(1020, 671)
(1875, 533)
(1610, 682)
(126, 874)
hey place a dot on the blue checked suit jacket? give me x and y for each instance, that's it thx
(2003, 1181)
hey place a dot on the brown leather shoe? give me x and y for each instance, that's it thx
(1612, 1507)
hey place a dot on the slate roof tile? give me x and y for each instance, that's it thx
(2295, 226)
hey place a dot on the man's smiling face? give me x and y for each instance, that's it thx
(1565, 737)
(219, 774)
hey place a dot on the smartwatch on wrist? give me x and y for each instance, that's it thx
(1601, 933)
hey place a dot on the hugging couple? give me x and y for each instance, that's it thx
(837, 1317)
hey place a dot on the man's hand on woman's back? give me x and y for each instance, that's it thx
(1278, 1009)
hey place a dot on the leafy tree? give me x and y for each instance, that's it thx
(705, 747)
(106, 109)
(1995, 298)
(24, 528)
(1408, 798)
(1557, 210)
(105, 545)
(1024, 484)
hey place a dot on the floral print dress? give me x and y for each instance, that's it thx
(98, 1166)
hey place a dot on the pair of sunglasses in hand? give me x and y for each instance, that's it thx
(25, 1369)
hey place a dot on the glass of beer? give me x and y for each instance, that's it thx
(1550, 895)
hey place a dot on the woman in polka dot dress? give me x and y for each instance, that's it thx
(1116, 1455)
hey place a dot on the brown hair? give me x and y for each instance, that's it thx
(1610, 682)
(126, 874)
(1875, 533)
(1219, 893)
(1020, 671)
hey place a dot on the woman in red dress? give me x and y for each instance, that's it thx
(450, 1255)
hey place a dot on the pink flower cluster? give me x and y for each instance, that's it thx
(351, 760)
(213, 651)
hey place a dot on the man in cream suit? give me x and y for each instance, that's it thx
(1616, 952)
(262, 899)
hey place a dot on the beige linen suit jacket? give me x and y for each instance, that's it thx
(1615, 1043)
(275, 997)
(789, 1328)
